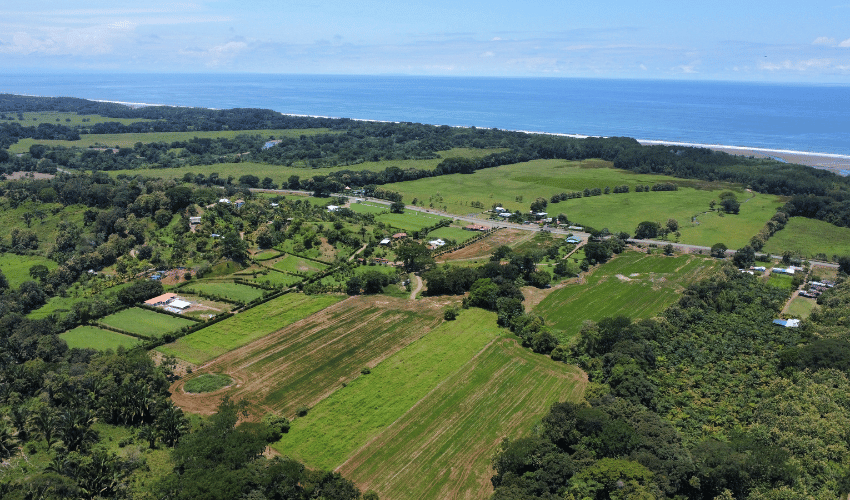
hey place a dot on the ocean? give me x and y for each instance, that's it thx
(797, 117)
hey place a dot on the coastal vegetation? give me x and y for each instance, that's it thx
(512, 363)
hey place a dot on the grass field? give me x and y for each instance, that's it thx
(207, 382)
(633, 284)
(353, 415)
(457, 234)
(129, 140)
(369, 208)
(458, 426)
(16, 268)
(97, 338)
(293, 263)
(801, 307)
(144, 322)
(232, 291)
(781, 280)
(809, 237)
(217, 339)
(618, 212)
(409, 220)
(280, 174)
(307, 361)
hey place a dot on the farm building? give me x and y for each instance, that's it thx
(194, 220)
(787, 323)
(161, 300)
(476, 227)
(333, 208)
(500, 209)
(224, 200)
(574, 240)
(239, 203)
(576, 228)
(399, 235)
(783, 270)
(385, 241)
(505, 214)
(179, 304)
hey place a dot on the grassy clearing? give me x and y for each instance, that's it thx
(781, 281)
(369, 208)
(232, 291)
(809, 237)
(295, 264)
(16, 268)
(280, 174)
(409, 220)
(457, 234)
(144, 322)
(207, 382)
(458, 426)
(516, 186)
(204, 345)
(97, 338)
(801, 307)
(129, 140)
(633, 284)
(353, 415)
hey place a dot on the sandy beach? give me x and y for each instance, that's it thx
(840, 164)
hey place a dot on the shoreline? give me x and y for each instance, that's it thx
(836, 163)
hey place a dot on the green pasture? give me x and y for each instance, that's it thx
(410, 220)
(92, 337)
(801, 307)
(207, 382)
(129, 140)
(280, 173)
(266, 255)
(44, 228)
(353, 415)
(808, 237)
(457, 234)
(144, 322)
(369, 208)
(295, 264)
(246, 326)
(272, 278)
(516, 186)
(228, 290)
(632, 284)
(16, 268)
(781, 281)
(31, 118)
(502, 391)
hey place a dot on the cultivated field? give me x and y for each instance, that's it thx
(228, 290)
(245, 327)
(305, 362)
(353, 415)
(410, 220)
(632, 284)
(143, 322)
(458, 426)
(809, 237)
(96, 338)
(295, 264)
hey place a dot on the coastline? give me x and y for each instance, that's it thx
(836, 163)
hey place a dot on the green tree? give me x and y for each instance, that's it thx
(414, 256)
(397, 207)
(718, 250)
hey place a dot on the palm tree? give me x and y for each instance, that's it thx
(8, 440)
(76, 428)
(47, 423)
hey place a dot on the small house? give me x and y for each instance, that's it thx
(194, 220)
(224, 200)
(575, 240)
(333, 208)
(161, 300)
(385, 241)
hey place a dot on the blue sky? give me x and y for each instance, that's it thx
(778, 41)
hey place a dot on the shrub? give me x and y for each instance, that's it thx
(302, 411)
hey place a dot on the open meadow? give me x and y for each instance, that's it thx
(16, 268)
(143, 322)
(457, 427)
(632, 284)
(307, 361)
(226, 289)
(90, 337)
(809, 237)
(516, 186)
(224, 336)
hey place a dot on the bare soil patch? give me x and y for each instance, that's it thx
(483, 248)
(28, 175)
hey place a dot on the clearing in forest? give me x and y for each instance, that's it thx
(633, 284)
(91, 337)
(458, 426)
(308, 360)
(143, 322)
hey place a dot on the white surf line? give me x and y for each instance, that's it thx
(743, 148)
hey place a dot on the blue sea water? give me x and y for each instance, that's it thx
(811, 118)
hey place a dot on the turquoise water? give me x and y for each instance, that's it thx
(811, 118)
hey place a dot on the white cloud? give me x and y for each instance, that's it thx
(804, 65)
(824, 40)
(488, 54)
(845, 43)
(88, 41)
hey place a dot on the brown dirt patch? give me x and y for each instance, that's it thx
(484, 248)
(28, 175)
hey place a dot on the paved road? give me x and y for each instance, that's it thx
(485, 221)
